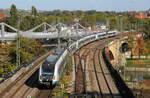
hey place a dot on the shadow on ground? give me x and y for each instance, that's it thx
(33, 82)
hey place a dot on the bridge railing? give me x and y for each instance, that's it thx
(121, 85)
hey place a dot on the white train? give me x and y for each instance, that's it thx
(52, 67)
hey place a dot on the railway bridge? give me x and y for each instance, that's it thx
(47, 31)
(118, 47)
(93, 73)
(103, 81)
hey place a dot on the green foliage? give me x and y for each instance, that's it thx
(69, 65)
(51, 19)
(148, 46)
(130, 44)
(28, 50)
(146, 27)
(61, 89)
(113, 23)
(87, 18)
(140, 63)
(66, 13)
(5, 64)
(13, 16)
(26, 23)
(34, 11)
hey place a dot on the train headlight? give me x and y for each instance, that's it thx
(40, 77)
(53, 78)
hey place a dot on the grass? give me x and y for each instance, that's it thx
(145, 87)
(139, 63)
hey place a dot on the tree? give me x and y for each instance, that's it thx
(100, 17)
(91, 12)
(34, 11)
(146, 28)
(67, 13)
(140, 47)
(26, 23)
(13, 16)
(5, 64)
(126, 24)
(66, 19)
(36, 19)
(80, 13)
(28, 50)
(113, 22)
(51, 19)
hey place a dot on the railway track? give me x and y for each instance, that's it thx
(79, 72)
(80, 69)
(19, 89)
(102, 82)
(104, 87)
(81, 58)
(46, 93)
(96, 75)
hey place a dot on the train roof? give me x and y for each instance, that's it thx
(52, 58)
(59, 51)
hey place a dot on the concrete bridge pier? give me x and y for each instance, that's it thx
(115, 48)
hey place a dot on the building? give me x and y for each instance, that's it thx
(2, 16)
(141, 16)
(101, 25)
(76, 19)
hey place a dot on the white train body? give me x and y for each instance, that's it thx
(61, 61)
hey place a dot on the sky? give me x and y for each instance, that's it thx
(99, 5)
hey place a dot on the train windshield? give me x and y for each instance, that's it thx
(49, 64)
(48, 67)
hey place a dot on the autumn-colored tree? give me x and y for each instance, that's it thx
(29, 48)
(140, 47)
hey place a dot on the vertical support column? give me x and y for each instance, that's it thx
(59, 43)
(77, 27)
(77, 44)
(45, 28)
(18, 43)
(3, 30)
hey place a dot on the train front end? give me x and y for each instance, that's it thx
(46, 72)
